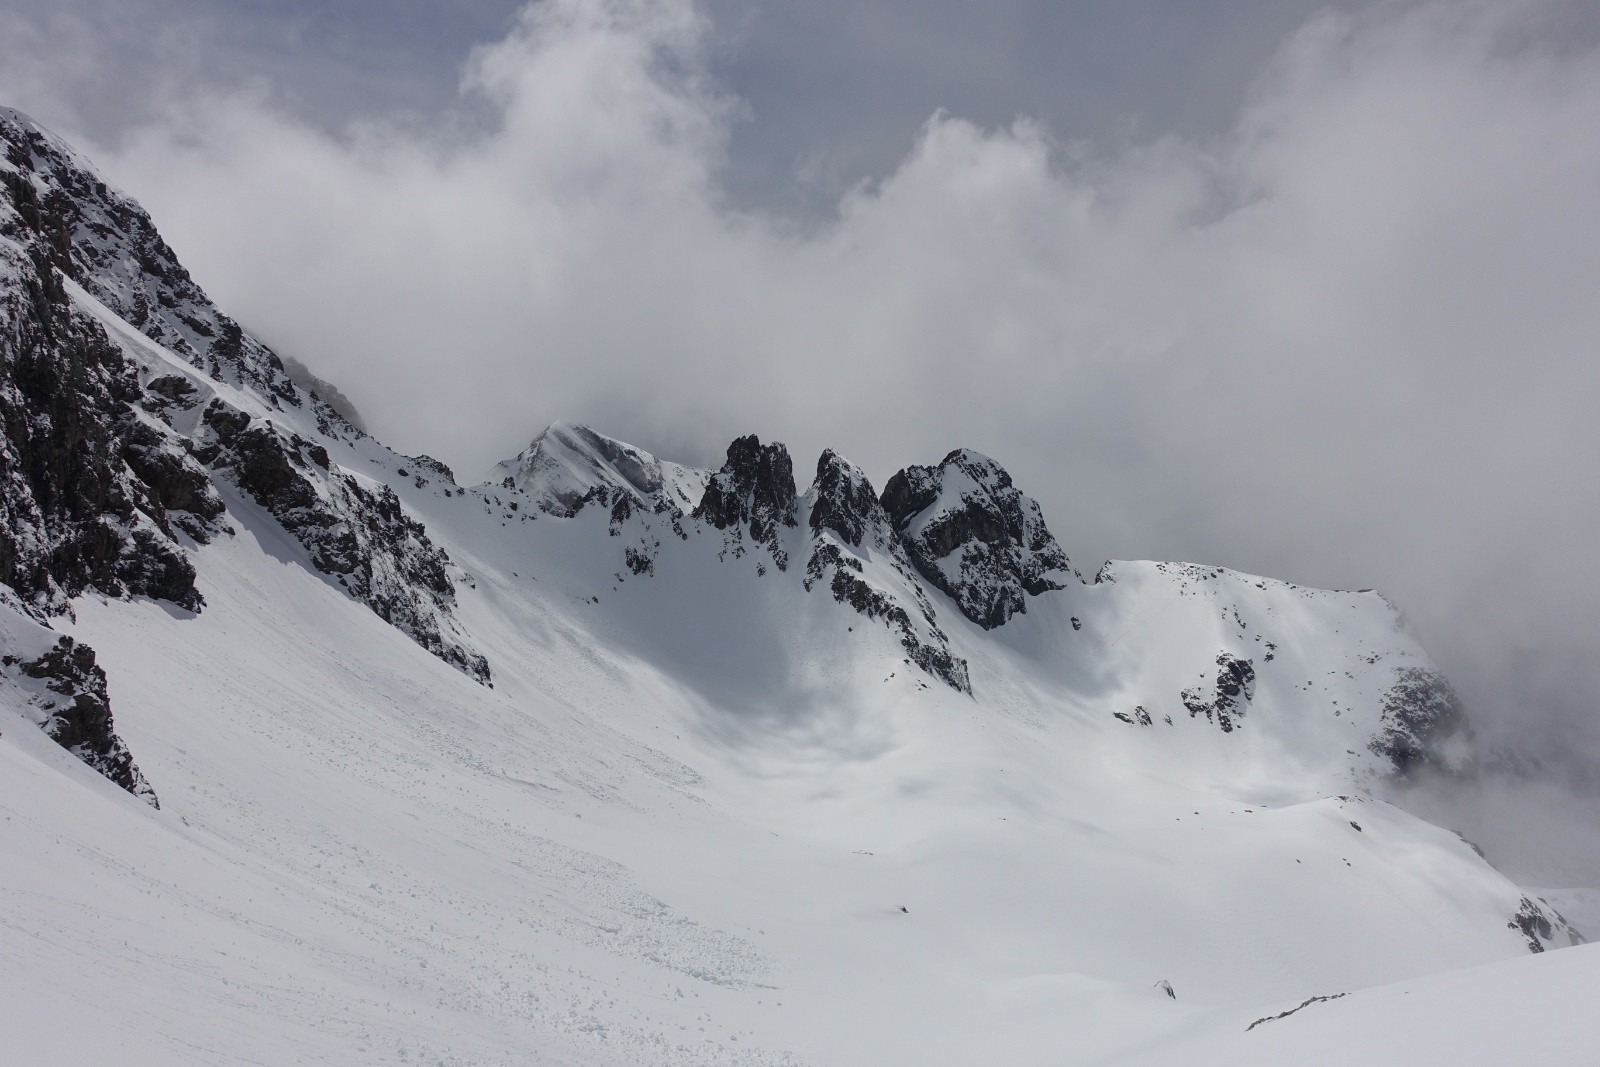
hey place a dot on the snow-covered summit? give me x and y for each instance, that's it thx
(563, 466)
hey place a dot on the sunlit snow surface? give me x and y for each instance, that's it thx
(705, 817)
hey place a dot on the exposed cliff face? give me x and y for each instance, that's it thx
(845, 504)
(359, 536)
(91, 491)
(970, 532)
(104, 241)
(103, 485)
(753, 493)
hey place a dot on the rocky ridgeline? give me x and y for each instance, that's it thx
(106, 243)
(360, 537)
(971, 533)
(100, 488)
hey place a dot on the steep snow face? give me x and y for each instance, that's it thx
(1333, 678)
(568, 465)
(973, 534)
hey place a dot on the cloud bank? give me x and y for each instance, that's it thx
(1352, 341)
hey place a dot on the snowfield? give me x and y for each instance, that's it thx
(703, 807)
(683, 824)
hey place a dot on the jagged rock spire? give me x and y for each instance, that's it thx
(970, 532)
(845, 501)
(753, 490)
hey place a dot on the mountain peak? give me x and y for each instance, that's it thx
(844, 500)
(973, 534)
(565, 465)
(754, 489)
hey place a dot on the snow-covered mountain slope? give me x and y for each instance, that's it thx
(568, 464)
(611, 761)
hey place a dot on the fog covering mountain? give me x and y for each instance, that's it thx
(313, 752)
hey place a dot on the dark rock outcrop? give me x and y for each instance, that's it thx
(1421, 714)
(1541, 926)
(846, 517)
(361, 537)
(753, 492)
(104, 241)
(971, 533)
(844, 501)
(90, 494)
(71, 700)
(1227, 702)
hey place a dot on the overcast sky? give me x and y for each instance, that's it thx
(1312, 291)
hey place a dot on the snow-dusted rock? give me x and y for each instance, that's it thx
(973, 534)
(103, 240)
(859, 559)
(753, 493)
(90, 492)
(360, 536)
(58, 684)
(1226, 699)
(1424, 725)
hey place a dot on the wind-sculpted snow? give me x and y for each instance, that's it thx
(973, 534)
(1326, 670)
